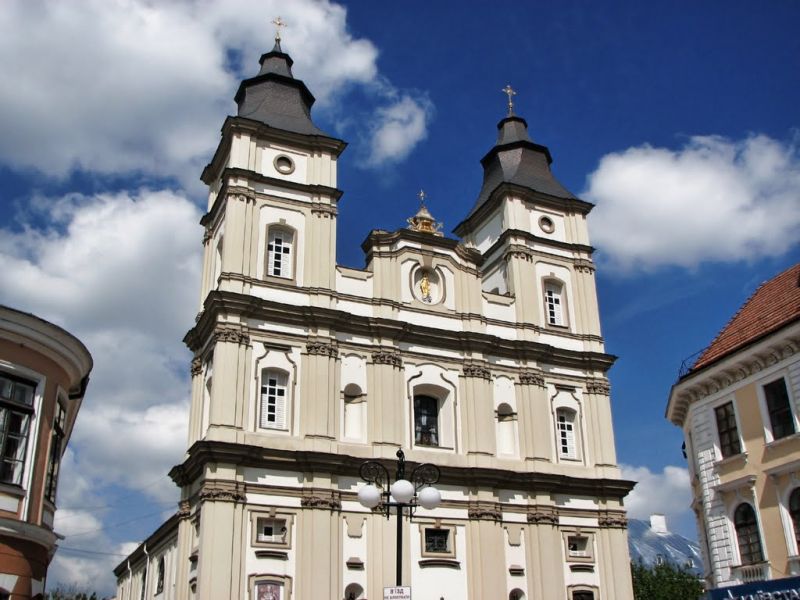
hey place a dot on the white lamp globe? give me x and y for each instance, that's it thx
(429, 498)
(402, 491)
(369, 496)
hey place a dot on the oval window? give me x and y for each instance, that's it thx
(284, 164)
(546, 224)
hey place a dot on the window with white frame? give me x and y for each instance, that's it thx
(56, 449)
(565, 428)
(746, 525)
(426, 420)
(274, 393)
(271, 530)
(279, 252)
(554, 303)
(16, 414)
(781, 419)
(729, 442)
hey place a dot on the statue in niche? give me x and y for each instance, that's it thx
(425, 287)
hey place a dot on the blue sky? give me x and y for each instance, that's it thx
(678, 119)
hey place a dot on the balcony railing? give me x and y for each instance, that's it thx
(750, 573)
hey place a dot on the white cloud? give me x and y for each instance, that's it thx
(714, 200)
(117, 86)
(668, 493)
(397, 128)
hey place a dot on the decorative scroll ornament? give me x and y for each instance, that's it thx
(184, 509)
(423, 221)
(234, 336)
(221, 492)
(598, 386)
(197, 366)
(384, 357)
(477, 370)
(322, 349)
(318, 500)
(542, 517)
(532, 378)
(490, 512)
(613, 521)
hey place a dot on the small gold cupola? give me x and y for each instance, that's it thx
(423, 221)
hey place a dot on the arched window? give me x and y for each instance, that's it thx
(565, 433)
(794, 511)
(273, 399)
(516, 594)
(279, 252)
(354, 412)
(554, 303)
(353, 592)
(160, 580)
(426, 420)
(744, 520)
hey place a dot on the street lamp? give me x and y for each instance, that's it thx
(411, 493)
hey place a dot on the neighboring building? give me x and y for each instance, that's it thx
(652, 543)
(738, 408)
(43, 376)
(483, 356)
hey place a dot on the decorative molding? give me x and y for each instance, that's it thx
(384, 357)
(317, 500)
(278, 554)
(613, 520)
(477, 370)
(532, 378)
(221, 491)
(543, 517)
(228, 334)
(598, 386)
(324, 210)
(184, 510)
(207, 235)
(322, 349)
(196, 366)
(484, 511)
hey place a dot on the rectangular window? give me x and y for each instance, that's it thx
(553, 305)
(426, 421)
(268, 590)
(578, 546)
(273, 400)
(566, 434)
(437, 541)
(279, 253)
(729, 443)
(271, 531)
(56, 449)
(781, 419)
(16, 411)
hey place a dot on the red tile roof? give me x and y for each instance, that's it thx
(774, 304)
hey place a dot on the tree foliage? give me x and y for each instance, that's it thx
(71, 592)
(664, 582)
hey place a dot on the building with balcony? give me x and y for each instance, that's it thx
(482, 355)
(43, 375)
(738, 408)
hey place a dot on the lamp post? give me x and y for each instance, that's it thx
(403, 493)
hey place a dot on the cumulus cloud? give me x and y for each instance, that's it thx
(714, 200)
(397, 128)
(120, 86)
(668, 493)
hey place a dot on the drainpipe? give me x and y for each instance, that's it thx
(130, 579)
(146, 570)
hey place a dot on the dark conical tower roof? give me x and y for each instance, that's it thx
(516, 159)
(275, 97)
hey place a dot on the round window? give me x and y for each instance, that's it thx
(546, 224)
(284, 164)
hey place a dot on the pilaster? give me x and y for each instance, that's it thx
(521, 274)
(545, 558)
(319, 554)
(231, 343)
(319, 414)
(386, 409)
(598, 408)
(477, 415)
(486, 568)
(534, 417)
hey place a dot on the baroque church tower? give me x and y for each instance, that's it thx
(482, 356)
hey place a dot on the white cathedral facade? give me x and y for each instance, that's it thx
(482, 355)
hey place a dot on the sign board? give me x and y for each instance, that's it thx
(397, 593)
(788, 587)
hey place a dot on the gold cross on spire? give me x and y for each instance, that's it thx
(278, 22)
(422, 195)
(509, 91)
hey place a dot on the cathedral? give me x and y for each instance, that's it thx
(479, 354)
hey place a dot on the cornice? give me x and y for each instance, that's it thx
(204, 452)
(506, 241)
(731, 370)
(377, 238)
(505, 189)
(314, 317)
(257, 129)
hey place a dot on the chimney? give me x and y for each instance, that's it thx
(658, 524)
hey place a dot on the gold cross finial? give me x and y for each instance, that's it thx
(509, 91)
(278, 22)
(422, 195)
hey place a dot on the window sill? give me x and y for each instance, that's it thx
(449, 563)
(733, 459)
(782, 441)
(281, 555)
(12, 489)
